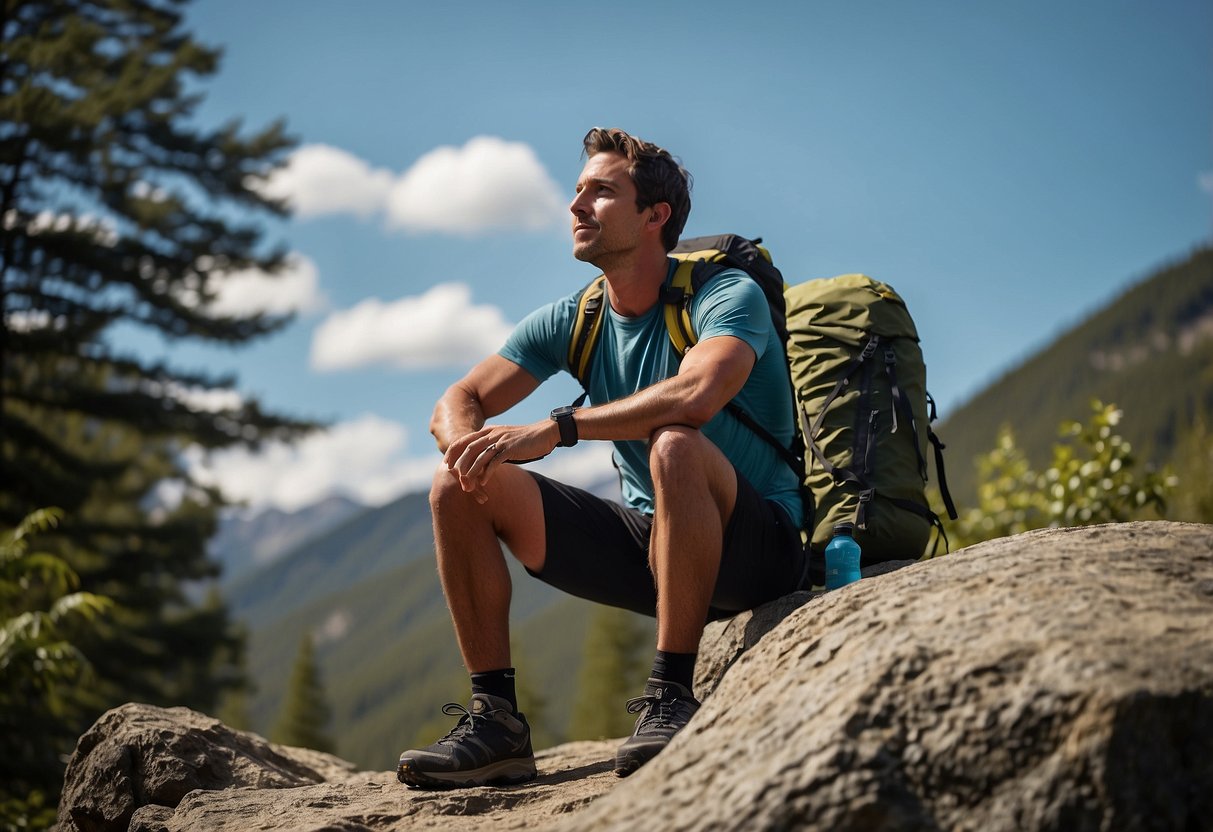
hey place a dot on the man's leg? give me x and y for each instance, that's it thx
(471, 564)
(695, 489)
(491, 742)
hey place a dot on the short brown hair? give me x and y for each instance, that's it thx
(658, 176)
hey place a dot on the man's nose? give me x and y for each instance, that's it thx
(578, 206)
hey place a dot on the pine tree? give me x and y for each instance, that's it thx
(41, 669)
(612, 672)
(305, 715)
(119, 213)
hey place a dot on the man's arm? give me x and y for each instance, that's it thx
(711, 374)
(491, 387)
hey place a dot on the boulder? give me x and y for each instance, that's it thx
(147, 769)
(1059, 679)
(725, 641)
(138, 755)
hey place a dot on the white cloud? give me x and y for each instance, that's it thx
(295, 289)
(196, 398)
(318, 179)
(488, 184)
(365, 458)
(441, 328)
(207, 401)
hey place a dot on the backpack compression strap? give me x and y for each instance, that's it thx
(844, 474)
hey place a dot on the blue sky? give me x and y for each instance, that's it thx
(1008, 167)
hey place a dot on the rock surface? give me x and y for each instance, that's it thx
(1059, 679)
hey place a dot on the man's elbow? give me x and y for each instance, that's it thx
(698, 410)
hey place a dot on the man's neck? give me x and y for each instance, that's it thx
(634, 288)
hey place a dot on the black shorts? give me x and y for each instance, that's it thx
(599, 550)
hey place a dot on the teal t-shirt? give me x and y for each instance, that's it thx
(634, 353)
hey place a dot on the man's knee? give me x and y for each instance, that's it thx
(442, 487)
(679, 455)
(674, 449)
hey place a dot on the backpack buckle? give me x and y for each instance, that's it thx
(672, 294)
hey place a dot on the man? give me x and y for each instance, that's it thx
(707, 523)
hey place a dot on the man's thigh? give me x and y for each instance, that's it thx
(595, 548)
(599, 550)
(763, 555)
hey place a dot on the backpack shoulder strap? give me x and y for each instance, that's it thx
(676, 297)
(586, 327)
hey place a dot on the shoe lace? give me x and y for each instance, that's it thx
(663, 712)
(466, 724)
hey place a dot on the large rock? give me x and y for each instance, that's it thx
(148, 769)
(138, 755)
(1061, 679)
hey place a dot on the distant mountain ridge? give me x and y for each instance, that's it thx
(247, 541)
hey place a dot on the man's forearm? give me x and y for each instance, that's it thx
(456, 414)
(710, 375)
(669, 402)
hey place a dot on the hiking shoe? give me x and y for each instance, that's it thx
(667, 706)
(490, 745)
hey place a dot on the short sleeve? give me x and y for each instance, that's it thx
(732, 304)
(539, 344)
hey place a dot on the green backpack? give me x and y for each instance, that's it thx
(852, 466)
(865, 413)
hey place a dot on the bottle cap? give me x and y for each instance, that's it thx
(844, 529)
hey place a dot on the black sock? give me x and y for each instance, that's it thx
(675, 667)
(497, 683)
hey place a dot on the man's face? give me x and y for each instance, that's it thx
(606, 222)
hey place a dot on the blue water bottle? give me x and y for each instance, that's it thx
(842, 557)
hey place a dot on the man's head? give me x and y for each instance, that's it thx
(657, 176)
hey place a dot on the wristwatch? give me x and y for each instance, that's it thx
(563, 417)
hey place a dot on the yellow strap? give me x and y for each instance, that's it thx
(678, 316)
(581, 345)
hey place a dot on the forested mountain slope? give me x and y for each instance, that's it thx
(1150, 351)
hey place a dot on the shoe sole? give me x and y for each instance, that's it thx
(625, 767)
(502, 773)
(627, 760)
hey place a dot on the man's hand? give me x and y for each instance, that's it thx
(474, 457)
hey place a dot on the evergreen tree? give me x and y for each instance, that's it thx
(612, 672)
(117, 212)
(41, 670)
(305, 714)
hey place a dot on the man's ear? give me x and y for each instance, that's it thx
(658, 214)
